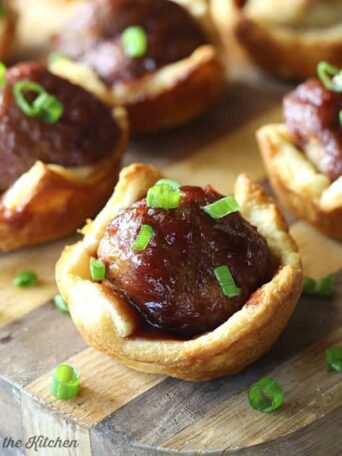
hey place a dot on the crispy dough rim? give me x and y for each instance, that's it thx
(172, 95)
(304, 191)
(108, 325)
(51, 201)
(280, 50)
(8, 25)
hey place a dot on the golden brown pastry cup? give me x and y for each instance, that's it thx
(302, 189)
(8, 26)
(108, 324)
(290, 52)
(51, 201)
(173, 95)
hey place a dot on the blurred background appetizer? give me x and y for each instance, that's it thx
(8, 26)
(303, 156)
(60, 152)
(287, 38)
(180, 280)
(153, 57)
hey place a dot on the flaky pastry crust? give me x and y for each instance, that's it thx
(302, 189)
(109, 325)
(170, 96)
(8, 24)
(278, 36)
(51, 201)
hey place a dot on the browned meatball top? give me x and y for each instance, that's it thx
(94, 36)
(172, 283)
(85, 134)
(312, 114)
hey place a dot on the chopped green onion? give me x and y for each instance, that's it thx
(97, 269)
(175, 185)
(163, 196)
(61, 305)
(333, 359)
(226, 281)
(46, 106)
(3, 10)
(134, 41)
(25, 279)
(322, 288)
(143, 239)
(266, 395)
(222, 207)
(340, 117)
(55, 56)
(65, 382)
(330, 76)
(3, 69)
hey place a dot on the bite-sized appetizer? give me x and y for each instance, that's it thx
(285, 37)
(153, 57)
(303, 156)
(180, 280)
(60, 152)
(8, 22)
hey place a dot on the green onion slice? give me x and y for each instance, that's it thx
(163, 196)
(61, 305)
(222, 207)
(323, 288)
(226, 281)
(46, 106)
(143, 239)
(55, 56)
(333, 359)
(3, 69)
(330, 76)
(266, 395)
(134, 41)
(97, 269)
(175, 185)
(65, 382)
(340, 117)
(25, 279)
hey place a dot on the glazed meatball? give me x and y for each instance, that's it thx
(312, 117)
(85, 134)
(172, 283)
(94, 36)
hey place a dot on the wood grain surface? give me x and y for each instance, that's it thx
(123, 412)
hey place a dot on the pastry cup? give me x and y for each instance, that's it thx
(8, 24)
(273, 38)
(108, 324)
(302, 189)
(50, 201)
(170, 96)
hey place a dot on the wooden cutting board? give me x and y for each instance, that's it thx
(123, 412)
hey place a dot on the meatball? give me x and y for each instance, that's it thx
(94, 36)
(312, 116)
(85, 134)
(172, 283)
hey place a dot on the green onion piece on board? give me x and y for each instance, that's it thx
(175, 185)
(61, 305)
(333, 359)
(97, 269)
(226, 281)
(45, 106)
(266, 395)
(322, 288)
(222, 207)
(143, 239)
(65, 382)
(163, 196)
(25, 279)
(134, 41)
(3, 69)
(330, 76)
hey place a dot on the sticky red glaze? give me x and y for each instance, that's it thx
(172, 282)
(312, 113)
(85, 134)
(94, 36)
